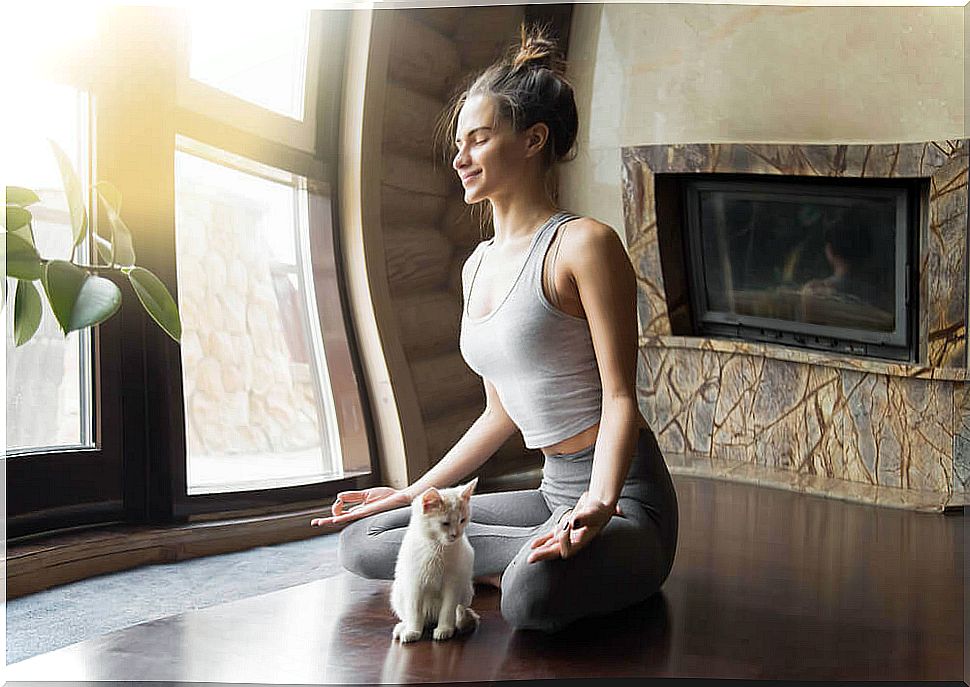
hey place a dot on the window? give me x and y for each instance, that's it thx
(271, 407)
(49, 399)
(133, 430)
(258, 402)
(256, 70)
(260, 57)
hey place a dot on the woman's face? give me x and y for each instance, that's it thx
(491, 159)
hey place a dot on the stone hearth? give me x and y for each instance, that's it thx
(833, 424)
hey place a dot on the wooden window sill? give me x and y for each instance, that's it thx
(39, 563)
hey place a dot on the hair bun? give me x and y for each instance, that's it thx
(536, 50)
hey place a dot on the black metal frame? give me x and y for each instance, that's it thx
(898, 345)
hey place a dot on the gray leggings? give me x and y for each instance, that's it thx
(624, 564)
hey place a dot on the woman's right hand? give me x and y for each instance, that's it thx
(353, 505)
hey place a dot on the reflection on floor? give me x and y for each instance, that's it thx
(69, 613)
(767, 584)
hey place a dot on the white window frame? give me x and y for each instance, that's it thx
(209, 101)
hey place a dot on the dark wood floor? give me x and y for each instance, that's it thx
(766, 584)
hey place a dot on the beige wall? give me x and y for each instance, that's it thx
(685, 73)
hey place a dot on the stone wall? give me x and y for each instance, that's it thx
(843, 426)
(246, 391)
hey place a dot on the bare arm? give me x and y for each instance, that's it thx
(486, 435)
(492, 428)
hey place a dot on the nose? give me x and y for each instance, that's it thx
(460, 160)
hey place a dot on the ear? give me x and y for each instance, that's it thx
(538, 134)
(469, 489)
(430, 500)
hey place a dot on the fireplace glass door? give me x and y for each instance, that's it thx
(823, 265)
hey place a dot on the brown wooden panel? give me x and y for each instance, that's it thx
(442, 19)
(485, 32)
(443, 383)
(460, 223)
(418, 259)
(399, 206)
(429, 323)
(444, 431)
(421, 57)
(413, 174)
(409, 121)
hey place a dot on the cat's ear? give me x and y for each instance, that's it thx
(431, 500)
(469, 489)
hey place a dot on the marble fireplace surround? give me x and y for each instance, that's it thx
(886, 433)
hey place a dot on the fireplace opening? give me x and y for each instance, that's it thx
(812, 262)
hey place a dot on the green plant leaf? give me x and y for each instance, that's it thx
(21, 196)
(26, 312)
(157, 300)
(124, 251)
(104, 247)
(98, 300)
(62, 282)
(23, 262)
(110, 193)
(16, 218)
(79, 299)
(74, 191)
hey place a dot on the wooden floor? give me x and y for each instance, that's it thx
(766, 584)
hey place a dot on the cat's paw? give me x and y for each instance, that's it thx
(467, 619)
(406, 635)
(441, 632)
(398, 630)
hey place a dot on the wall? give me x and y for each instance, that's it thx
(420, 232)
(690, 73)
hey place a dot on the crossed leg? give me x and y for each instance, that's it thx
(501, 524)
(625, 563)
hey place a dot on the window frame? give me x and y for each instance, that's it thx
(54, 489)
(139, 423)
(310, 153)
(207, 100)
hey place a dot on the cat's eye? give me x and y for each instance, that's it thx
(463, 520)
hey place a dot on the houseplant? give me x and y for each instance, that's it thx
(77, 295)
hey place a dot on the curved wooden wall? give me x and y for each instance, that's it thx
(428, 231)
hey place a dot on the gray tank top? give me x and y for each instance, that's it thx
(539, 358)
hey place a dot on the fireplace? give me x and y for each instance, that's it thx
(800, 261)
(757, 364)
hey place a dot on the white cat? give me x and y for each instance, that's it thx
(433, 574)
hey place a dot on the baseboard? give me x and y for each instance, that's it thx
(816, 485)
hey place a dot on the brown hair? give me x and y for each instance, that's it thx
(529, 86)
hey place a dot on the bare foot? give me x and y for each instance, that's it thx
(490, 580)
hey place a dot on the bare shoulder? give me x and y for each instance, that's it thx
(588, 243)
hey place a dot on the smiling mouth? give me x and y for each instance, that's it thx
(465, 180)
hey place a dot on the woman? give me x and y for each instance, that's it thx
(549, 322)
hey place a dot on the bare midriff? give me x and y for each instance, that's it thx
(583, 440)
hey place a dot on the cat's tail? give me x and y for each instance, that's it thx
(465, 618)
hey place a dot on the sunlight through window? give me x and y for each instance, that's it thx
(48, 382)
(258, 404)
(258, 56)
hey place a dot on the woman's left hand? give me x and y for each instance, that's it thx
(578, 527)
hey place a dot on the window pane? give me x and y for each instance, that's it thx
(48, 378)
(259, 56)
(258, 405)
